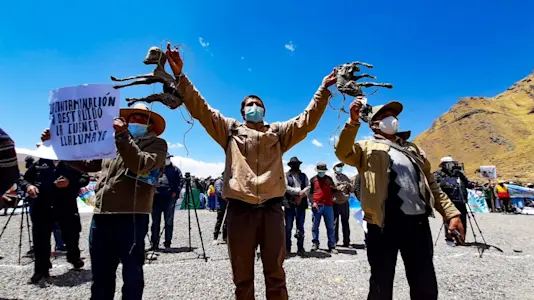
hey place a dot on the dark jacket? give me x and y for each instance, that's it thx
(289, 199)
(448, 182)
(9, 169)
(117, 191)
(44, 173)
(169, 182)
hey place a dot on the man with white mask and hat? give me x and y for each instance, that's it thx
(398, 193)
(124, 196)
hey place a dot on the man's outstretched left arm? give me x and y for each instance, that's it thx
(296, 129)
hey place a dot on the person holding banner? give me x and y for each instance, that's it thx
(398, 193)
(254, 182)
(123, 201)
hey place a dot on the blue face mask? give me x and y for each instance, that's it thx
(254, 114)
(339, 170)
(321, 174)
(137, 130)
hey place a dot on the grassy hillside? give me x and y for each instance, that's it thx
(488, 131)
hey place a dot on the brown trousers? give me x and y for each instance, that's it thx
(248, 227)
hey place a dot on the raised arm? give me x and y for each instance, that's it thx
(347, 151)
(213, 121)
(141, 161)
(296, 129)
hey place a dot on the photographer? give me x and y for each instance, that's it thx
(453, 182)
(53, 188)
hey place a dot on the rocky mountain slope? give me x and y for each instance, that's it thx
(488, 131)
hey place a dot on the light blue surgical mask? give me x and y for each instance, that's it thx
(321, 174)
(339, 170)
(137, 130)
(254, 114)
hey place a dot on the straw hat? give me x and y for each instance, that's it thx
(158, 123)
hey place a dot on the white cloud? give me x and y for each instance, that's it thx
(334, 139)
(368, 137)
(202, 42)
(290, 46)
(175, 145)
(198, 168)
(317, 143)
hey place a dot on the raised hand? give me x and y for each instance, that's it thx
(175, 61)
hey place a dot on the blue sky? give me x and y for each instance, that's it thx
(433, 53)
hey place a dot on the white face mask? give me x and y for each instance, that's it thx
(168, 161)
(389, 125)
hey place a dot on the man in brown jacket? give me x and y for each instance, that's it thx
(254, 180)
(398, 193)
(124, 195)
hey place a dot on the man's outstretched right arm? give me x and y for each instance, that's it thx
(213, 121)
(347, 151)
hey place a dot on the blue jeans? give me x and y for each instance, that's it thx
(165, 205)
(60, 245)
(298, 214)
(114, 239)
(327, 212)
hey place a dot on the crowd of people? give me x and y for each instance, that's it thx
(259, 203)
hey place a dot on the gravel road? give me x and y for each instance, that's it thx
(462, 274)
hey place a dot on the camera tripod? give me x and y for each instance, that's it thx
(481, 247)
(189, 201)
(25, 214)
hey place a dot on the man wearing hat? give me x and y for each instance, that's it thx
(295, 204)
(398, 193)
(341, 202)
(254, 182)
(454, 183)
(322, 189)
(167, 192)
(123, 203)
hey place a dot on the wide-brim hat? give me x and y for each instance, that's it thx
(321, 167)
(158, 123)
(394, 106)
(294, 160)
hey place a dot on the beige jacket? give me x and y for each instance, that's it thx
(372, 161)
(254, 172)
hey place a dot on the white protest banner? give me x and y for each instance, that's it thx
(81, 123)
(488, 172)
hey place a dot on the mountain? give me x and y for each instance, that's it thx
(482, 131)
